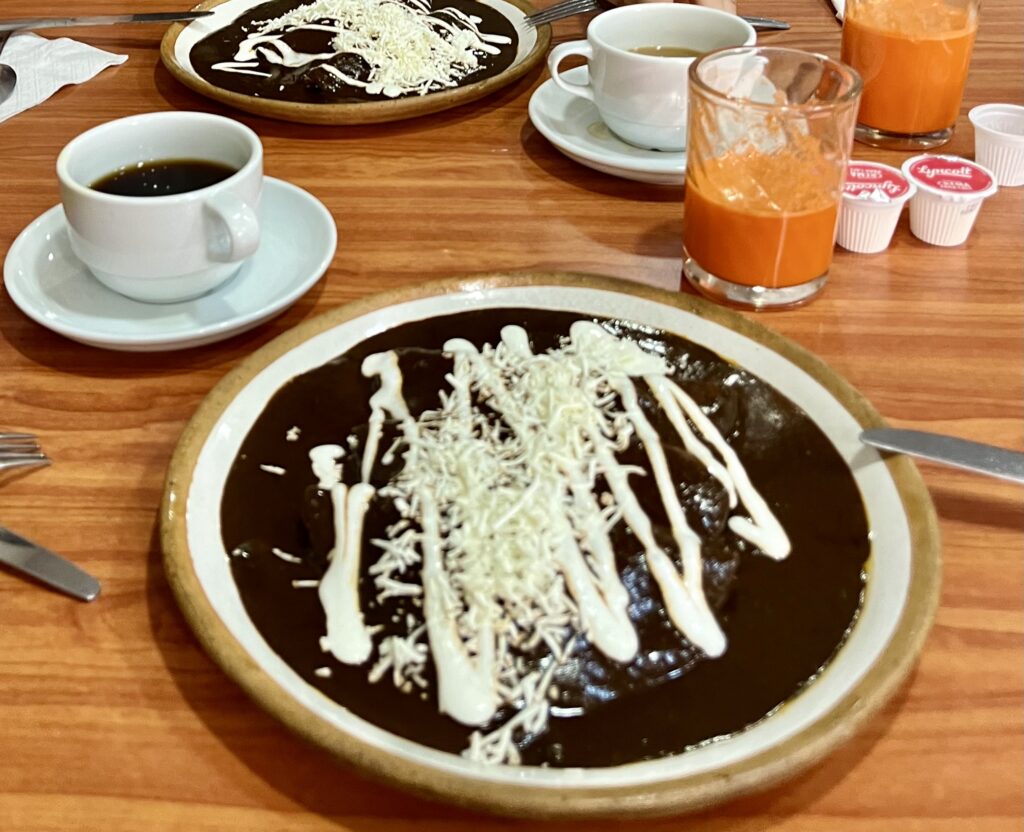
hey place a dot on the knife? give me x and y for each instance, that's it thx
(960, 453)
(97, 20)
(44, 565)
(766, 24)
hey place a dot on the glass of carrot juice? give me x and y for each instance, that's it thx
(769, 135)
(913, 56)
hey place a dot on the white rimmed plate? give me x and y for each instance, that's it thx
(900, 598)
(180, 38)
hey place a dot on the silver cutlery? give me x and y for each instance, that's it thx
(949, 450)
(43, 565)
(8, 77)
(20, 450)
(568, 8)
(97, 20)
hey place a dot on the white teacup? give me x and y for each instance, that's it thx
(166, 248)
(643, 98)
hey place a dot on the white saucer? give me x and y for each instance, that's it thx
(51, 286)
(573, 125)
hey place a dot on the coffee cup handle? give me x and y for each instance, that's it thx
(241, 224)
(559, 54)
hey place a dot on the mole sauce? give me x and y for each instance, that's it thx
(783, 620)
(309, 85)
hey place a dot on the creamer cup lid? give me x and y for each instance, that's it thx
(875, 184)
(952, 178)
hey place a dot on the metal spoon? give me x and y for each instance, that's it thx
(8, 77)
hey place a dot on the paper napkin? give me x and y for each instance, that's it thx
(44, 66)
(840, 7)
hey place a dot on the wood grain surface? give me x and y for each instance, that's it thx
(112, 718)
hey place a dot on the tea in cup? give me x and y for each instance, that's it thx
(638, 57)
(163, 207)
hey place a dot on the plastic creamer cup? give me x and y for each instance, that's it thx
(873, 197)
(999, 141)
(950, 191)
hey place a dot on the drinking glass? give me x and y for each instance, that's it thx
(913, 56)
(770, 131)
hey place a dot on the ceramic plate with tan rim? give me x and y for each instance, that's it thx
(177, 44)
(900, 592)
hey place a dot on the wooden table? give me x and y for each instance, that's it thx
(112, 718)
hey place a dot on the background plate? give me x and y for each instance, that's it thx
(179, 39)
(900, 597)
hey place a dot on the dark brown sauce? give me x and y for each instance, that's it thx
(783, 620)
(311, 85)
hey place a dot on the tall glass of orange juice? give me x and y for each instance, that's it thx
(913, 56)
(769, 135)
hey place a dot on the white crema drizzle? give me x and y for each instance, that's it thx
(502, 511)
(409, 47)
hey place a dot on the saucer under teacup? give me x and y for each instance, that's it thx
(574, 126)
(55, 289)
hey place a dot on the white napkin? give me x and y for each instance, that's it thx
(44, 66)
(840, 7)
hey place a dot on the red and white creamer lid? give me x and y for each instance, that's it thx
(950, 177)
(875, 183)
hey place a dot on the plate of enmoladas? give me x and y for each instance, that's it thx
(339, 62)
(551, 545)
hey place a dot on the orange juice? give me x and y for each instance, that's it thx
(764, 219)
(773, 250)
(913, 56)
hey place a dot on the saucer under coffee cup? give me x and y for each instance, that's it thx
(155, 239)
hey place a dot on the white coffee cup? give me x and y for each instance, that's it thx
(643, 98)
(166, 248)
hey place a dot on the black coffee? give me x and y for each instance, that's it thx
(163, 177)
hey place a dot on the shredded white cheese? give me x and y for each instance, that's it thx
(502, 513)
(285, 556)
(408, 47)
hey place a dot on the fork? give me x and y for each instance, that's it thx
(20, 450)
(568, 8)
